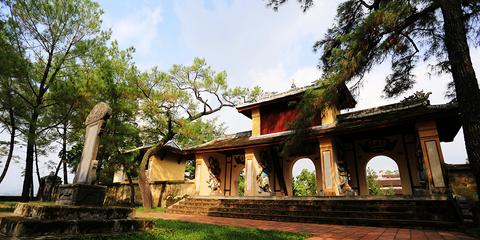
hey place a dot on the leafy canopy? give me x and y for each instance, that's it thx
(305, 184)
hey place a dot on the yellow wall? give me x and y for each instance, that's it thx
(166, 169)
(201, 176)
(330, 115)
(256, 122)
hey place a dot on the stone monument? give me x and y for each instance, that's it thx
(84, 191)
(78, 212)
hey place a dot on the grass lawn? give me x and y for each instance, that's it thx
(7, 206)
(177, 230)
(158, 209)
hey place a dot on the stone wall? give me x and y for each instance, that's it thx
(461, 181)
(165, 193)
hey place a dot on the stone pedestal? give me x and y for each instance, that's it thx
(81, 194)
(43, 221)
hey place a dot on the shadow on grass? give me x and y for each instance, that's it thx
(177, 230)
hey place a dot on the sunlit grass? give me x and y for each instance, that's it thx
(177, 230)
(7, 206)
(158, 209)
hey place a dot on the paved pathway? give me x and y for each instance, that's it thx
(319, 231)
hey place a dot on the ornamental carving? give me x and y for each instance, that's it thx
(214, 166)
(101, 111)
(239, 158)
(263, 181)
(378, 145)
(214, 172)
(418, 96)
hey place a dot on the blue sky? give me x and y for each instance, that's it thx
(252, 43)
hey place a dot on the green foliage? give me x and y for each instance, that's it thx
(373, 184)
(241, 183)
(174, 102)
(173, 230)
(190, 169)
(157, 209)
(52, 35)
(56, 64)
(305, 184)
(367, 33)
(389, 191)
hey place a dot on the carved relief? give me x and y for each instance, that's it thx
(101, 111)
(418, 96)
(214, 171)
(239, 158)
(263, 181)
(378, 145)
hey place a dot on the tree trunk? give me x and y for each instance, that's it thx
(466, 85)
(63, 160)
(36, 163)
(65, 172)
(143, 183)
(132, 188)
(31, 190)
(64, 154)
(31, 138)
(12, 145)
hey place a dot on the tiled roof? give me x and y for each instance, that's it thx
(273, 96)
(388, 115)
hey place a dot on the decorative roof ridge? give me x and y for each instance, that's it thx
(223, 137)
(275, 95)
(382, 109)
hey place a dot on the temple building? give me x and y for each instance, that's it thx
(340, 145)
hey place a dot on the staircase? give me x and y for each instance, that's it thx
(418, 213)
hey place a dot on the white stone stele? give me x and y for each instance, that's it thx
(86, 170)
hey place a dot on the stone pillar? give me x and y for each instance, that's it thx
(86, 170)
(432, 155)
(84, 191)
(329, 167)
(251, 171)
(201, 176)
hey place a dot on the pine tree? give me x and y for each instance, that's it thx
(366, 33)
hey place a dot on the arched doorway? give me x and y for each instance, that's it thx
(304, 178)
(383, 177)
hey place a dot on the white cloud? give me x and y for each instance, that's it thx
(254, 44)
(248, 39)
(138, 29)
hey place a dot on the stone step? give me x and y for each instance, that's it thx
(430, 211)
(50, 212)
(364, 203)
(377, 215)
(330, 220)
(14, 226)
(409, 213)
(316, 212)
(431, 208)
